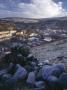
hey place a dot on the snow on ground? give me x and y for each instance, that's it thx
(55, 52)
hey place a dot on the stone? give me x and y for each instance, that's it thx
(46, 62)
(33, 64)
(60, 66)
(40, 84)
(29, 68)
(39, 89)
(53, 83)
(40, 64)
(63, 80)
(45, 71)
(20, 73)
(11, 68)
(52, 80)
(31, 78)
(55, 70)
(31, 58)
(5, 77)
(39, 74)
(30, 55)
(10, 83)
(4, 71)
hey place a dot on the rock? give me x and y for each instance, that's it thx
(20, 73)
(60, 66)
(33, 64)
(45, 71)
(5, 77)
(30, 55)
(10, 83)
(19, 55)
(55, 70)
(52, 80)
(3, 80)
(40, 89)
(46, 62)
(40, 84)
(31, 78)
(2, 72)
(63, 80)
(53, 83)
(12, 68)
(40, 64)
(39, 74)
(31, 58)
(29, 68)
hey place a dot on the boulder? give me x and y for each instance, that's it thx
(53, 83)
(55, 70)
(32, 59)
(10, 83)
(2, 72)
(12, 68)
(5, 77)
(29, 68)
(45, 71)
(63, 80)
(33, 64)
(30, 56)
(40, 84)
(20, 73)
(31, 78)
(46, 62)
(39, 75)
(60, 66)
(40, 64)
(39, 89)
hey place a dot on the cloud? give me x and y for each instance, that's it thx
(42, 9)
(2, 6)
(7, 13)
(33, 9)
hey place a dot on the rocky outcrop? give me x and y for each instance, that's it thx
(44, 76)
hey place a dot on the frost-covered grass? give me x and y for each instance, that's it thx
(51, 51)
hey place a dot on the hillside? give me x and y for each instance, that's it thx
(33, 54)
(42, 30)
(5, 26)
(55, 52)
(53, 23)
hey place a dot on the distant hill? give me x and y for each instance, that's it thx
(41, 24)
(18, 19)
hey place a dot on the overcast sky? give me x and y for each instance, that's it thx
(33, 8)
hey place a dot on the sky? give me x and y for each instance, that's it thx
(33, 8)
